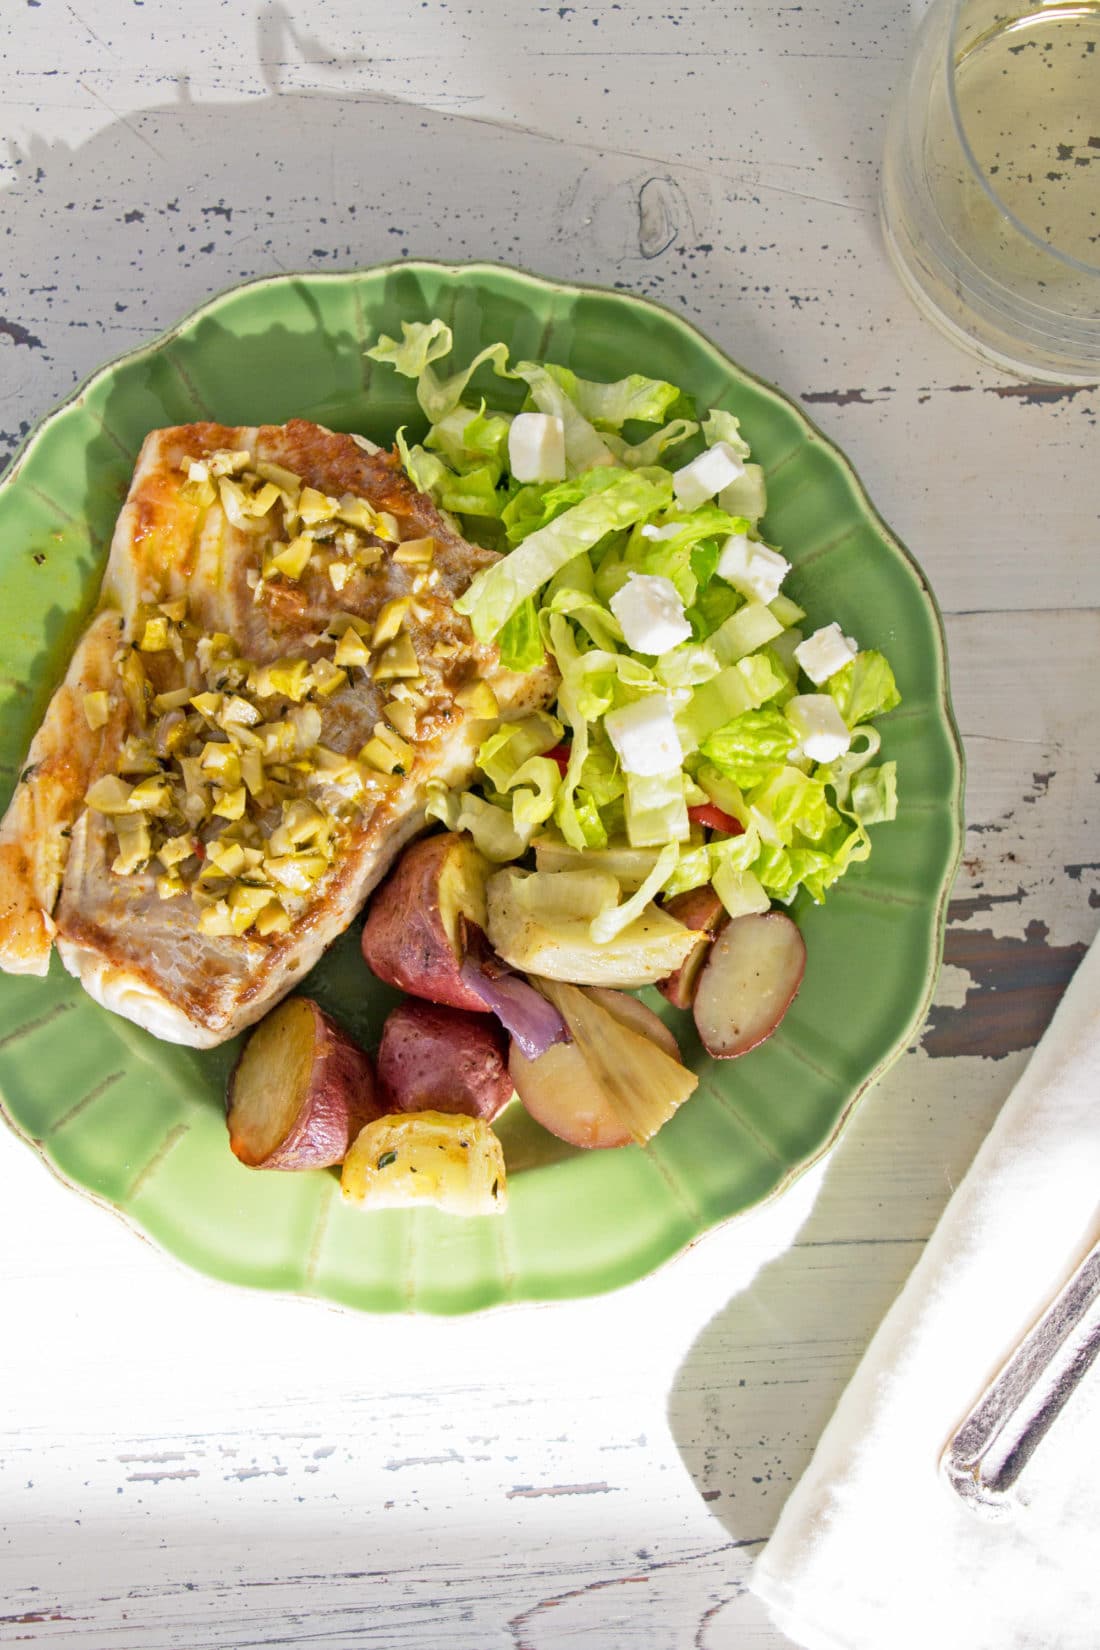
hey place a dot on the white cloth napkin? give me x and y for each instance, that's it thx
(874, 1550)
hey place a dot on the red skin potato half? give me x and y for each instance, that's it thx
(410, 936)
(560, 1089)
(699, 908)
(560, 1092)
(300, 1091)
(433, 1058)
(750, 980)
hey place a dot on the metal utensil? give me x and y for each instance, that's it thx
(986, 1456)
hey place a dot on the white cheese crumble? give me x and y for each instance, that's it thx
(752, 568)
(825, 652)
(536, 447)
(644, 735)
(706, 475)
(822, 732)
(651, 613)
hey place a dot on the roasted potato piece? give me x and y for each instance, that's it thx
(610, 1085)
(300, 1092)
(412, 935)
(651, 947)
(701, 910)
(750, 980)
(562, 1092)
(443, 1059)
(428, 1157)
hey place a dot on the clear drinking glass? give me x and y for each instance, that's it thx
(991, 182)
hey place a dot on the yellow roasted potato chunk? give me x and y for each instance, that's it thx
(452, 1162)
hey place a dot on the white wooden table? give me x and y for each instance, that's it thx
(186, 1465)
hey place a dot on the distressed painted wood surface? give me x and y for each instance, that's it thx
(182, 1465)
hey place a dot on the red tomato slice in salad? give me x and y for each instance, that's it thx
(714, 818)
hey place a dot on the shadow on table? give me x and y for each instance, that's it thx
(755, 1390)
(172, 202)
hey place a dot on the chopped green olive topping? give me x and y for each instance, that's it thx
(223, 791)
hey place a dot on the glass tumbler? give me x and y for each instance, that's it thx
(991, 182)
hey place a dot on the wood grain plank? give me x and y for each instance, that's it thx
(188, 1466)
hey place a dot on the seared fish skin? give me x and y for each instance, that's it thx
(139, 943)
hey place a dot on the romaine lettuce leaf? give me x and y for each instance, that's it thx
(520, 640)
(498, 590)
(840, 773)
(724, 426)
(472, 494)
(747, 496)
(735, 876)
(471, 440)
(610, 406)
(421, 343)
(674, 557)
(743, 632)
(534, 789)
(794, 803)
(585, 448)
(425, 470)
(656, 811)
(538, 503)
(603, 627)
(501, 756)
(654, 446)
(864, 688)
(612, 922)
(751, 746)
(875, 794)
(712, 607)
(424, 342)
(492, 829)
(716, 703)
(687, 665)
(587, 819)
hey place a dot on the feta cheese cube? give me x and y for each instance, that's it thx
(536, 447)
(825, 652)
(822, 732)
(752, 568)
(651, 613)
(706, 475)
(644, 735)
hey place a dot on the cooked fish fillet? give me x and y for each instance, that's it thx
(140, 931)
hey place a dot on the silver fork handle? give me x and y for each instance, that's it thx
(986, 1456)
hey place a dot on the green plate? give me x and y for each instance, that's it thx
(139, 1124)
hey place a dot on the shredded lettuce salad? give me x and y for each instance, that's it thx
(744, 808)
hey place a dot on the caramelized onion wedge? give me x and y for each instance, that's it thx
(632, 1088)
(300, 1092)
(522, 1011)
(429, 1157)
(750, 979)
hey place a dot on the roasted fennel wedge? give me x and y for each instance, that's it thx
(610, 1085)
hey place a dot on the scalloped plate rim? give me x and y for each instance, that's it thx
(942, 705)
